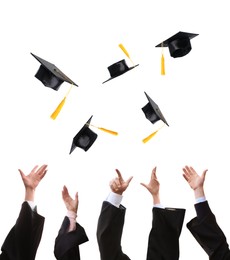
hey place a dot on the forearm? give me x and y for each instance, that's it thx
(29, 194)
(72, 219)
(199, 192)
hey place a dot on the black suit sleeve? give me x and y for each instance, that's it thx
(109, 232)
(24, 238)
(164, 236)
(208, 234)
(67, 243)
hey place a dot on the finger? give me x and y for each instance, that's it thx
(114, 186)
(144, 185)
(41, 176)
(186, 170)
(65, 192)
(129, 180)
(204, 173)
(185, 177)
(42, 169)
(21, 173)
(153, 175)
(117, 182)
(76, 197)
(34, 169)
(119, 175)
(192, 171)
(111, 182)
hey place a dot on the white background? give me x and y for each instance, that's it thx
(81, 38)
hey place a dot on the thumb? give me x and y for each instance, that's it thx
(129, 180)
(76, 196)
(21, 173)
(204, 173)
(144, 185)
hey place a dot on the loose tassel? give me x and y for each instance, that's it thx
(125, 52)
(162, 64)
(108, 131)
(145, 140)
(58, 109)
(105, 130)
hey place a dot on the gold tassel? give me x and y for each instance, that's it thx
(58, 109)
(125, 51)
(145, 140)
(108, 131)
(105, 130)
(162, 64)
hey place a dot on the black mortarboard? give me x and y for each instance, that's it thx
(179, 44)
(118, 69)
(84, 138)
(50, 75)
(152, 111)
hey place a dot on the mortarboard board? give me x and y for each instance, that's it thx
(152, 111)
(179, 44)
(118, 69)
(84, 138)
(50, 75)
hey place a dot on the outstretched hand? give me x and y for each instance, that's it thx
(32, 180)
(70, 203)
(194, 180)
(153, 186)
(118, 185)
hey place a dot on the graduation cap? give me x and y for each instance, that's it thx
(121, 66)
(179, 44)
(118, 69)
(152, 111)
(85, 138)
(50, 75)
(153, 114)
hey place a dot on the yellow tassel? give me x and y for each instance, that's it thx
(58, 109)
(108, 131)
(124, 50)
(145, 140)
(162, 65)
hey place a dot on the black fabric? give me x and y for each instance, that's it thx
(109, 232)
(66, 245)
(24, 238)
(163, 243)
(208, 233)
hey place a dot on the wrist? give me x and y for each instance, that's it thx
(71, 214)
(199, 192)
(29, 194)
(156, 199)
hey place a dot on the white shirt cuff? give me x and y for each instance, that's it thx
(31, 204)
(71, 214)
(200, 199)
(115, 199)
(158, 206)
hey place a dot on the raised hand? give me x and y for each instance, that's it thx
(70, 203)
(118, 185)
(32, 180)
(195, 181)
(153, 186)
